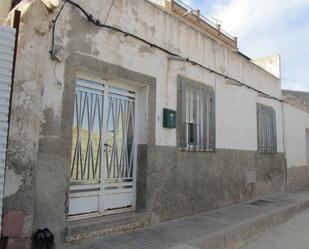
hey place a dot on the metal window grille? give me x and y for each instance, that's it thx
(87, 132)
(198, 117)
(91, 114)
(266, 129)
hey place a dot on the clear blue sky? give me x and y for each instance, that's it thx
(266, 27)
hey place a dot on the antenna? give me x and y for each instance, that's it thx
(218, 22)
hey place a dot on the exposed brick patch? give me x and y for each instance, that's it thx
(13, 224)
(18, 243)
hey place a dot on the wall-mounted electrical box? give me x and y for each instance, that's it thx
(250, 177)
(169, 118)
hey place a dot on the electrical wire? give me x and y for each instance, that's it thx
(97, 22)
(52, 52)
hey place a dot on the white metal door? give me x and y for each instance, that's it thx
(102, 170)
(7, 45)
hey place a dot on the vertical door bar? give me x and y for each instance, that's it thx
(105, 111)
(184, 111)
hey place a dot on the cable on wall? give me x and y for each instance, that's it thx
(97, 22)
(52, 52)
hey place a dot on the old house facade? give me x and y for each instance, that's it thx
(129, 113)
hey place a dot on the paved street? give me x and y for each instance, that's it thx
(293, 234)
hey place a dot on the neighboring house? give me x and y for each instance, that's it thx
(296, 125)
(115, 130)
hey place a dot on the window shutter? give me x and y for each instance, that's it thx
(266, 129)
(197, 109)
(204, 117)
(183, 100)
(259, 122)
(212, 115)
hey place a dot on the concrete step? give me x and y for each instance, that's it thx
(87, 228)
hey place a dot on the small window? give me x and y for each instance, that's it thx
(197, 105)
(266, 129)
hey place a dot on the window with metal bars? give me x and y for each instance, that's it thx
(196, 119)
(266, 129)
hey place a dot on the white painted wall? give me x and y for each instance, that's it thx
(235, 106)
(296, 122)
(271, 64)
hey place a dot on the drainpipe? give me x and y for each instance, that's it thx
(283, 130)
(284, 144)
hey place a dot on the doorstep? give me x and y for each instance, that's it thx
(95, 226)
(225, 228)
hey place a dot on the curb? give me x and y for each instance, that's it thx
(238, 235)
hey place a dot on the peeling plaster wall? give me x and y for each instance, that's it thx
(155, 25)
(23, 142)
(40, 130)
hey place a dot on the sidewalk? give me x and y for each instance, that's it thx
(292, 234)
(229, 227)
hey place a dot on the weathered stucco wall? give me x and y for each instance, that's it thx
(155, 25)
(170, 183)
(25, 118)
(55, 147)
(296, 122)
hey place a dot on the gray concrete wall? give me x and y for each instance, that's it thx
(297, 177)
(183, 183)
